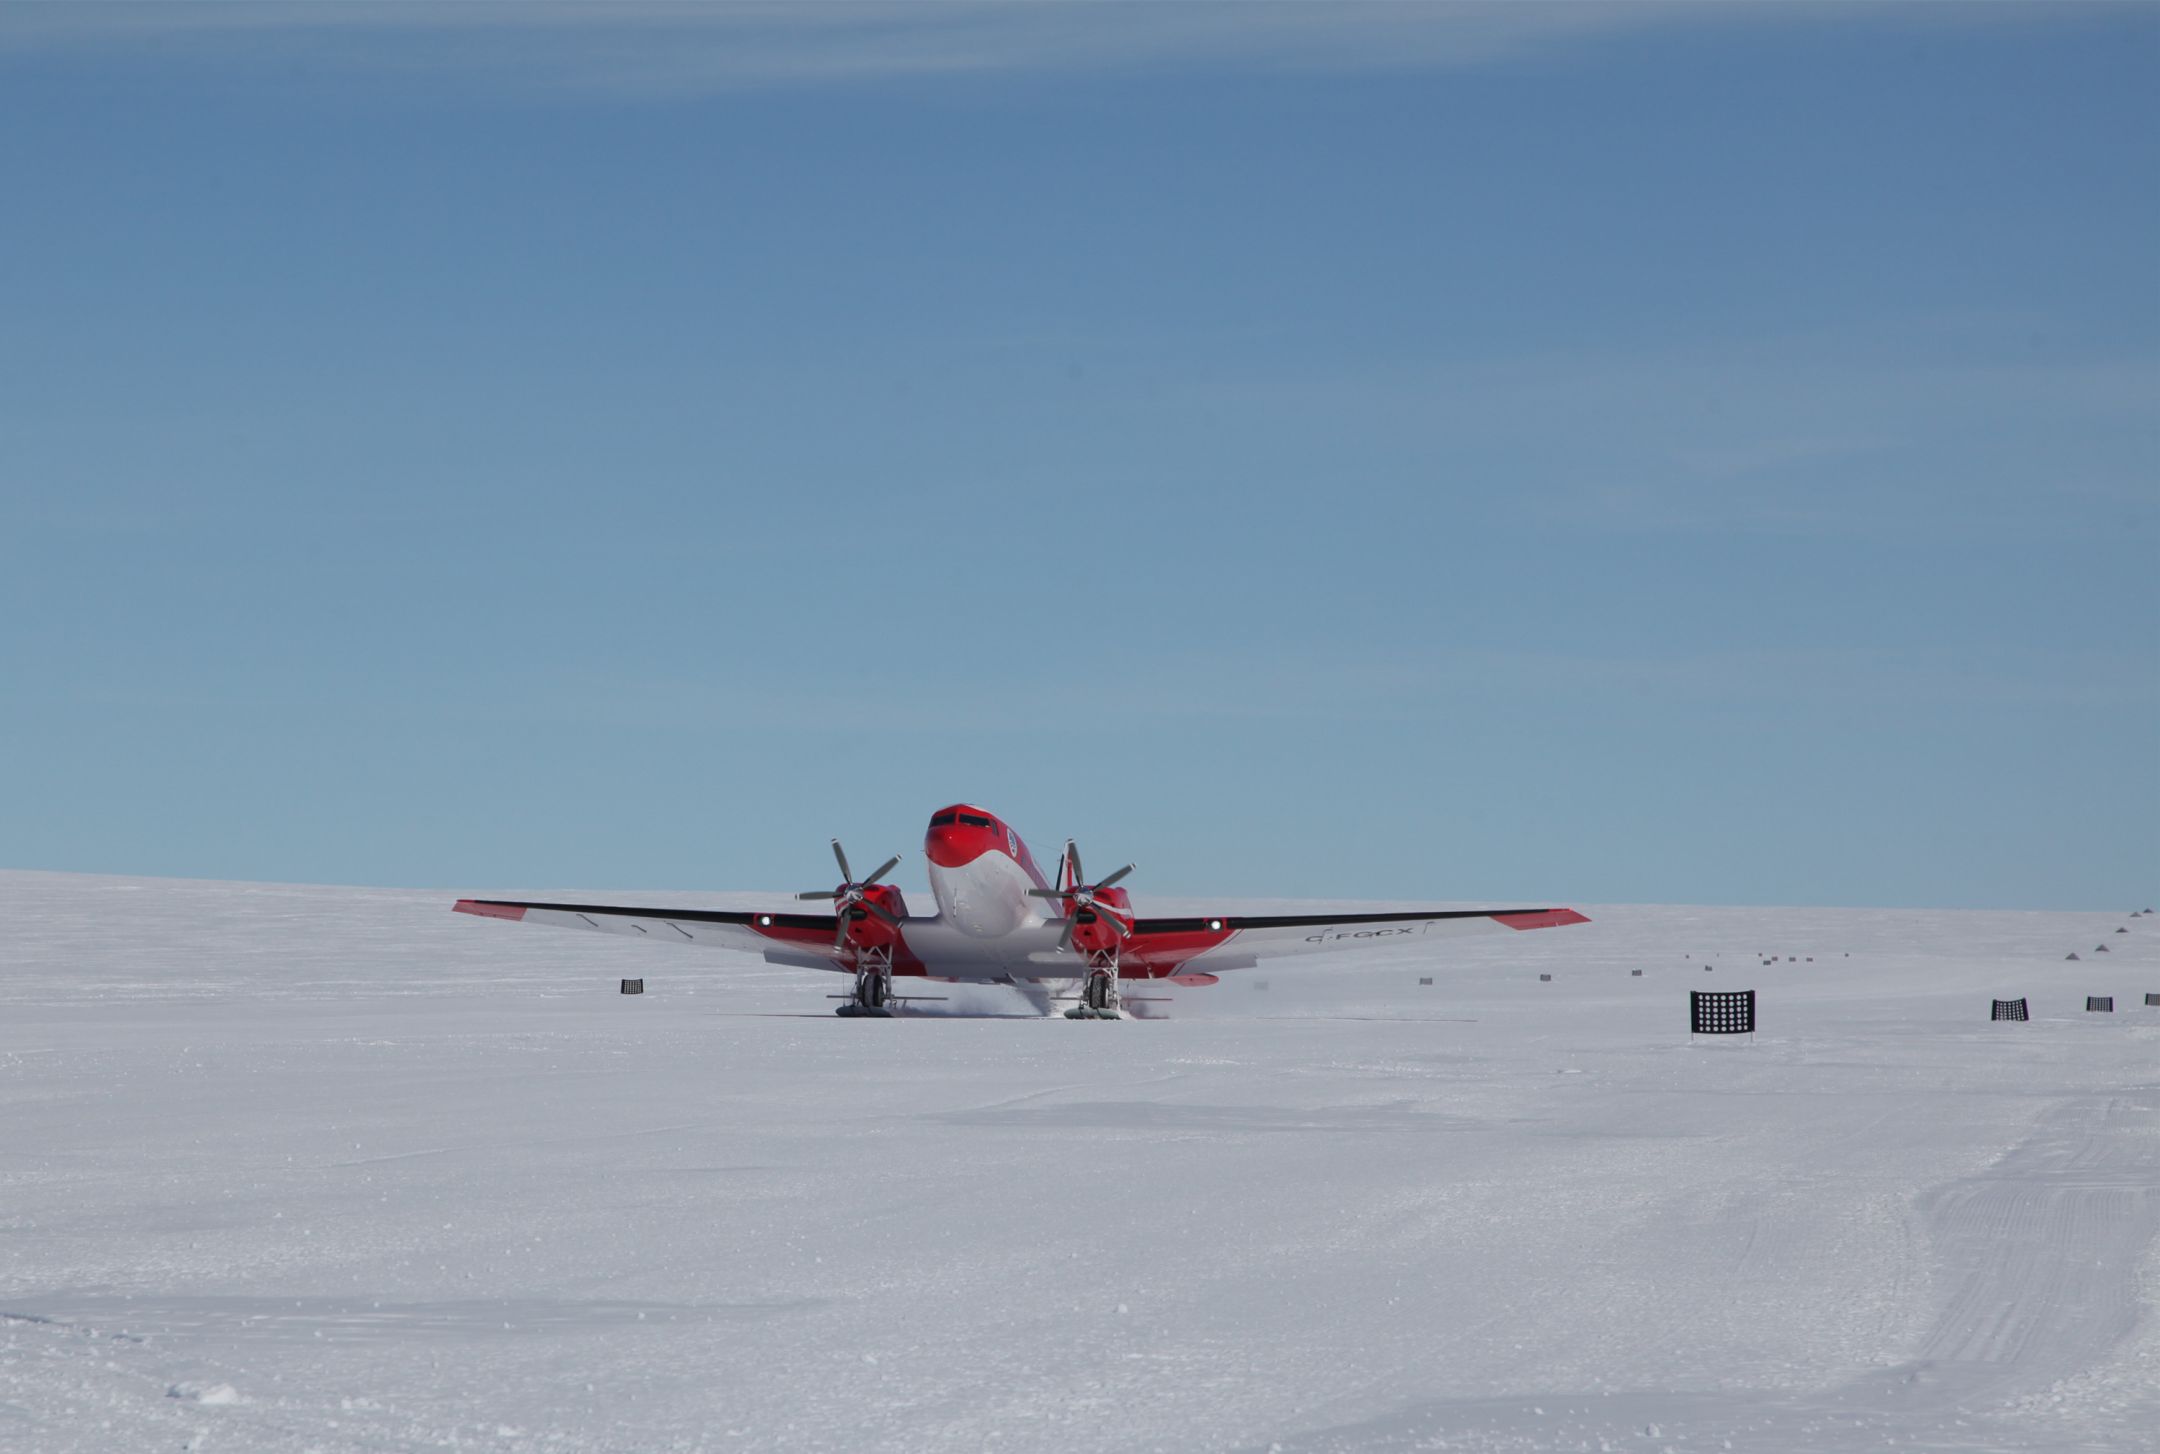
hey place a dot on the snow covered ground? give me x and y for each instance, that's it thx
(290, 1168)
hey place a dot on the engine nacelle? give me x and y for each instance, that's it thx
(864, 929)
(1092, 928)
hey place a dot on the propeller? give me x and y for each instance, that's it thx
(853, 892)
(1083, 895)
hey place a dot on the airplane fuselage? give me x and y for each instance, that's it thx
(980, 874)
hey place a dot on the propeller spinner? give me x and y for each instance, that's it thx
(853, 894)
(1082, 895)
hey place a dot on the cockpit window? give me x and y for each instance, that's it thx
(942, 820)
(974, 820)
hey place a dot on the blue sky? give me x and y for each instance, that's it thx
(1600, 454)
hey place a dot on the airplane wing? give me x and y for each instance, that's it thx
(798, 939)
(1210, 942)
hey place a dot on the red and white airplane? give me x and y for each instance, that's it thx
(1000, 921)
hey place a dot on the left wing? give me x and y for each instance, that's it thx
(1238, 941)
(799, 939)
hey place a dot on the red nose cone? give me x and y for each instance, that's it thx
(952, 842)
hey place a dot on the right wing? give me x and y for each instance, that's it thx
(798, 939)
(1238, 941)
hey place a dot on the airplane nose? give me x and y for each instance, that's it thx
(953, 845)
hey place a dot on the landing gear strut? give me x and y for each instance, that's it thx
(1099, 992)
(873, 985)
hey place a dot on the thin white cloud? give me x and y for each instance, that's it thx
(637, 47)
(1882, 428)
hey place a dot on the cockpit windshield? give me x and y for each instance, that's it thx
(975, 820)
(942, 820)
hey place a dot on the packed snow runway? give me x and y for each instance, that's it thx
(296, 1168)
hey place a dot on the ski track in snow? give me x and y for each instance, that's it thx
(292, 1168)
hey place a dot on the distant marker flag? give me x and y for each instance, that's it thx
(1714, 1012)
(2010, 1010)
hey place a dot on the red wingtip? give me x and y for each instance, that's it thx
(487, 910)
(1543, 919)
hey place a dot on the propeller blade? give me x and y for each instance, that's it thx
(820, 894)
(1128, 868)
(1065, 939)
(1072, 863)
(846, 874)
(839, 938)
(877, 875)
(1048, 894)
(882, 912)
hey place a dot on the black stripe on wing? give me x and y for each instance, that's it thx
(757, 917)
(1215, 923)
